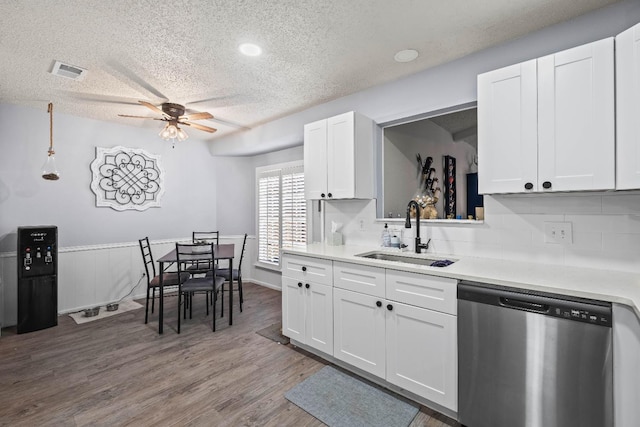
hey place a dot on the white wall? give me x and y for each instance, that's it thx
(189, 201)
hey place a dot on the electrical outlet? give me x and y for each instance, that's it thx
(362, 225)
(558, 232)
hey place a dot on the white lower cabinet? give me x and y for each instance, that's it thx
(411, 347)
(422, 353)
(359, 330)
(307, 313)
(398, 326)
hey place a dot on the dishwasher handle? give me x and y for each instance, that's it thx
(524, 305)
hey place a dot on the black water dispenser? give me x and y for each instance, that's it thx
(37, 278)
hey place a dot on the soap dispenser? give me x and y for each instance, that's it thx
(386, 237)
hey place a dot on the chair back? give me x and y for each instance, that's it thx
(206, 237)
(197, 257)
(244, 244)
(147, 258)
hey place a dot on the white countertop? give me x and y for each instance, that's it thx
(606, 285)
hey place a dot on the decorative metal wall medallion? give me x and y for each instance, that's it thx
(127, 178)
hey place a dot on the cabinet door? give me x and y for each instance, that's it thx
(422, 353)
(359, 330)
(628, 109)
(576, 135)
(319, 317)
(341, 156)
(507, 129)
(315, 160)
(293, 309)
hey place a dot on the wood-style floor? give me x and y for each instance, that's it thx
(119, 371)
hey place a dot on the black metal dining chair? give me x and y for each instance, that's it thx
(169, 279)
(201, 238)
(199, 281)
(236, 274)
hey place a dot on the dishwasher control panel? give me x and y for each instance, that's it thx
(548, 304)
(589, 316)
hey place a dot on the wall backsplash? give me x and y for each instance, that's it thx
(606, 229)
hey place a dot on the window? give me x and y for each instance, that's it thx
(282, 210)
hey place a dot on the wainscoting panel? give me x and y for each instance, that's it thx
(89, 276)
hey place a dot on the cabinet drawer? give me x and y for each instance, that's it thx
(422, 290)
(308, 269)
(359, 278)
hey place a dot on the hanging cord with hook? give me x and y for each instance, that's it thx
(50, 111)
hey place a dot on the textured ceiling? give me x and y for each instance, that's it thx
(186, 52)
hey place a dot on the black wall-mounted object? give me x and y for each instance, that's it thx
(37, 278)
(449, 186)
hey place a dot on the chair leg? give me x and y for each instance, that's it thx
(179, 304)
(153, 300)
(215, 297)
(185, 304)
(221, 300)
(206, 301)
(146, 308)
(191, 305)
(240, 296)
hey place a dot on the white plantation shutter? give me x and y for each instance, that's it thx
(282, 214)
(294, 209)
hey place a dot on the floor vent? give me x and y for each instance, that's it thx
(68, 71)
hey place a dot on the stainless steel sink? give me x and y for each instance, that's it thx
(419, 260)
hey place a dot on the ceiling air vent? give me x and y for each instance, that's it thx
(68, 71)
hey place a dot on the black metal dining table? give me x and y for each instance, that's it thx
(221, 252)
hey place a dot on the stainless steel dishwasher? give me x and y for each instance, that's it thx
(531, 359)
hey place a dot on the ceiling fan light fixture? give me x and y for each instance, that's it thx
(250, 49)
(182, 135)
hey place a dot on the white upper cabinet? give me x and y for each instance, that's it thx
(338, 158)
(508, 129)
(628, 109)
(576, 123)
(548, 124)
(315, 159)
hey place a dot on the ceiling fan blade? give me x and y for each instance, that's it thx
(132, 79)
(152, 107)
(139, 117)
(197, 116)
(197, 126)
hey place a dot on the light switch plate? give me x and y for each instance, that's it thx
(558, 232)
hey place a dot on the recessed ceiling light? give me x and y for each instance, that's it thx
(406, 55)
(250, 49)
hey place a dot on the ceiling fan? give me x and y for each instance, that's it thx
(173, 115)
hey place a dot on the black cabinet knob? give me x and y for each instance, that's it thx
(528, 186)
(330, 195)
(322, 195)
(379, 303)
(299, 284)
(307, 286)
(389, 307)
(546, 184)
(304, 268)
